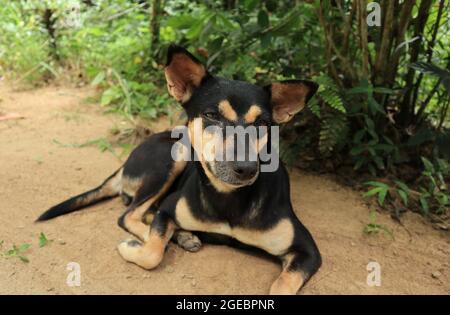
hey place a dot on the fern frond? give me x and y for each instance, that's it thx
(333, 99)
(314, 107)
(325, 81)
(329, 93)
(333, 132)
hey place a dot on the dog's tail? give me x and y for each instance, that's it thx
(110, 188)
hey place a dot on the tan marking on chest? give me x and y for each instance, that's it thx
(275, 240)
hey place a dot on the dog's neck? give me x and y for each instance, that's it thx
(230, 204)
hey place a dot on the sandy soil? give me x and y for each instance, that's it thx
(36, 172)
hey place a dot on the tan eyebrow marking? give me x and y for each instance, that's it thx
(227, 111)
(252, 114)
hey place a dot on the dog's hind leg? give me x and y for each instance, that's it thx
(131, 220)
(150, 253)
(185, 239)
(154, 186)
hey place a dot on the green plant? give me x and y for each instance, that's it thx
(430, 68)
(328, 106)
(43, 240)
(434, 188)
(370, 105)
(377, 188)
(403, 191)
(372, 151)
(103, 144)
(371, 148)
(374, 228)
(431, 196)
(16, 251)
(329, 93)
(24, 52)
(385, 191)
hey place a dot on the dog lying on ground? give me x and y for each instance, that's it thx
(222, 201)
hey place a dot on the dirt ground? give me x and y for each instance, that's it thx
(37, 171)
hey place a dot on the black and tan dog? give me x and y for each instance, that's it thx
(229, 201)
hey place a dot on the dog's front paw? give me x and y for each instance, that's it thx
(188, 241)
(135, 252)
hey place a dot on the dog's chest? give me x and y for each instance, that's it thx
(275, 240)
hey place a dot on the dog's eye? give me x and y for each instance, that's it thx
(211, 115)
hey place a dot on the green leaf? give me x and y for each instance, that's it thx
(403, 196)
(313, 105)
(42, 240)
(442, 199)
(359, 163)
(428, 165)
(333, 99)
(287, 23)
(98, 78)
(357, 90)
(359, 135)
(250, 4)
(183, 21)
(376, 184)
(263, 19)
(375, 107)
(195, 29)
(11, 252)
(424, 204)
(402, 186)
(382, 196)
(370, 124)
(420, 137)
(357, 150)
(383, 90)
(384, 147)
(23, 247)
(24, 259)
(372, 151)
(265, 40)
(373, 191)
(430, 68)
(226, 22)
(109, 96)
(379, 162)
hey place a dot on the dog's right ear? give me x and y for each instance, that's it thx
(184, 73)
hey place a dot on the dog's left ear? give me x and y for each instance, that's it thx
(289, 97)
(184, 73)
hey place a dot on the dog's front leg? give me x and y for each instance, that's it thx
(299, 264)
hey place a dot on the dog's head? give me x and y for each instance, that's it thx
(216, 107)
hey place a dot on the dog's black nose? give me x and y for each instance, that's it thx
(245, 169)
